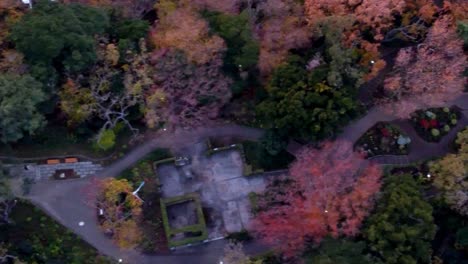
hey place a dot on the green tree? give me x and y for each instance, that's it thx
(462, 238)
(344, 67)
(301, 104)
(339, 251)
(235, 30)
(58, 34)
(129, 32)
(273, 142)
(402, 228)
(463, 30)
(19, 98)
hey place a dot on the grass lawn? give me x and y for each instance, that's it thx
(37, 238)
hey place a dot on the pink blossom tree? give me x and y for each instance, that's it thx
(430, 74)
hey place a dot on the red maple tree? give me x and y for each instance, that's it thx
(331, 193)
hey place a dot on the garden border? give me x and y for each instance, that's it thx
(200, 226)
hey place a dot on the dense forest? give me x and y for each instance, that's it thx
(99, 76)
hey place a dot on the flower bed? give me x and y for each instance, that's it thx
(383, 139)
(434, 123)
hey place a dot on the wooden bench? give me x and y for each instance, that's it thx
(71, 160)
(53, 161)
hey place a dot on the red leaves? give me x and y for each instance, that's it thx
(433, 123)
(333, 192)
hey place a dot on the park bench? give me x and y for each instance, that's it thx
(71, 160)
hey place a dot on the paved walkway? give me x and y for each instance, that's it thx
(63, 200)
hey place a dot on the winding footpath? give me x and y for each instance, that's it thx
(63, 200)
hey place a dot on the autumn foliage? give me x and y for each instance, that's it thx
(186, 94)
(430, 74)
(121, 211)
(331, 192)
(182, 28)
(283, 28)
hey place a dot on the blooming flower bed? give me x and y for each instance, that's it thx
(434, 123)
(383, 139)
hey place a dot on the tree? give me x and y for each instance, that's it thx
(402, 228)
(128, 8)
(104, 94)
(182, 28)
(7, 199)
(19, 99)
(242, 49)
(430, 74)
(463, 31)
(281, 29)
(303, 105)
(224, 6)
(449, 174)
(330, 191)
(6, 257)
(185, 94)
(339, 251)
(273, 142)
(234, 254)
(121, 210)
(56, 34)
(378, 16)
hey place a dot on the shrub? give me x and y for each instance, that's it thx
(435, 132)
(106, 140)
(240, 236)
(454, 121)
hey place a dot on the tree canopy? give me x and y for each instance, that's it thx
(20, 97)
(339, 251)
(57, 35)
(450, 175)
(402, 228)
(301, 103)
(329, 191)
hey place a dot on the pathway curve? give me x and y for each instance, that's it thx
(63, 199)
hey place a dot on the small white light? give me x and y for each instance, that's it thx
(326, 211)
(81, 223)
(120, 260)
(164, 129)
(372, 61)
(428, 175)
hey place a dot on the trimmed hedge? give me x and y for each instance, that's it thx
(200, 227)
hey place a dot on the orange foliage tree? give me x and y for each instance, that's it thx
(430, 74)
(181, 27)
(331, 192)
(376, 18)
(118, 209)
